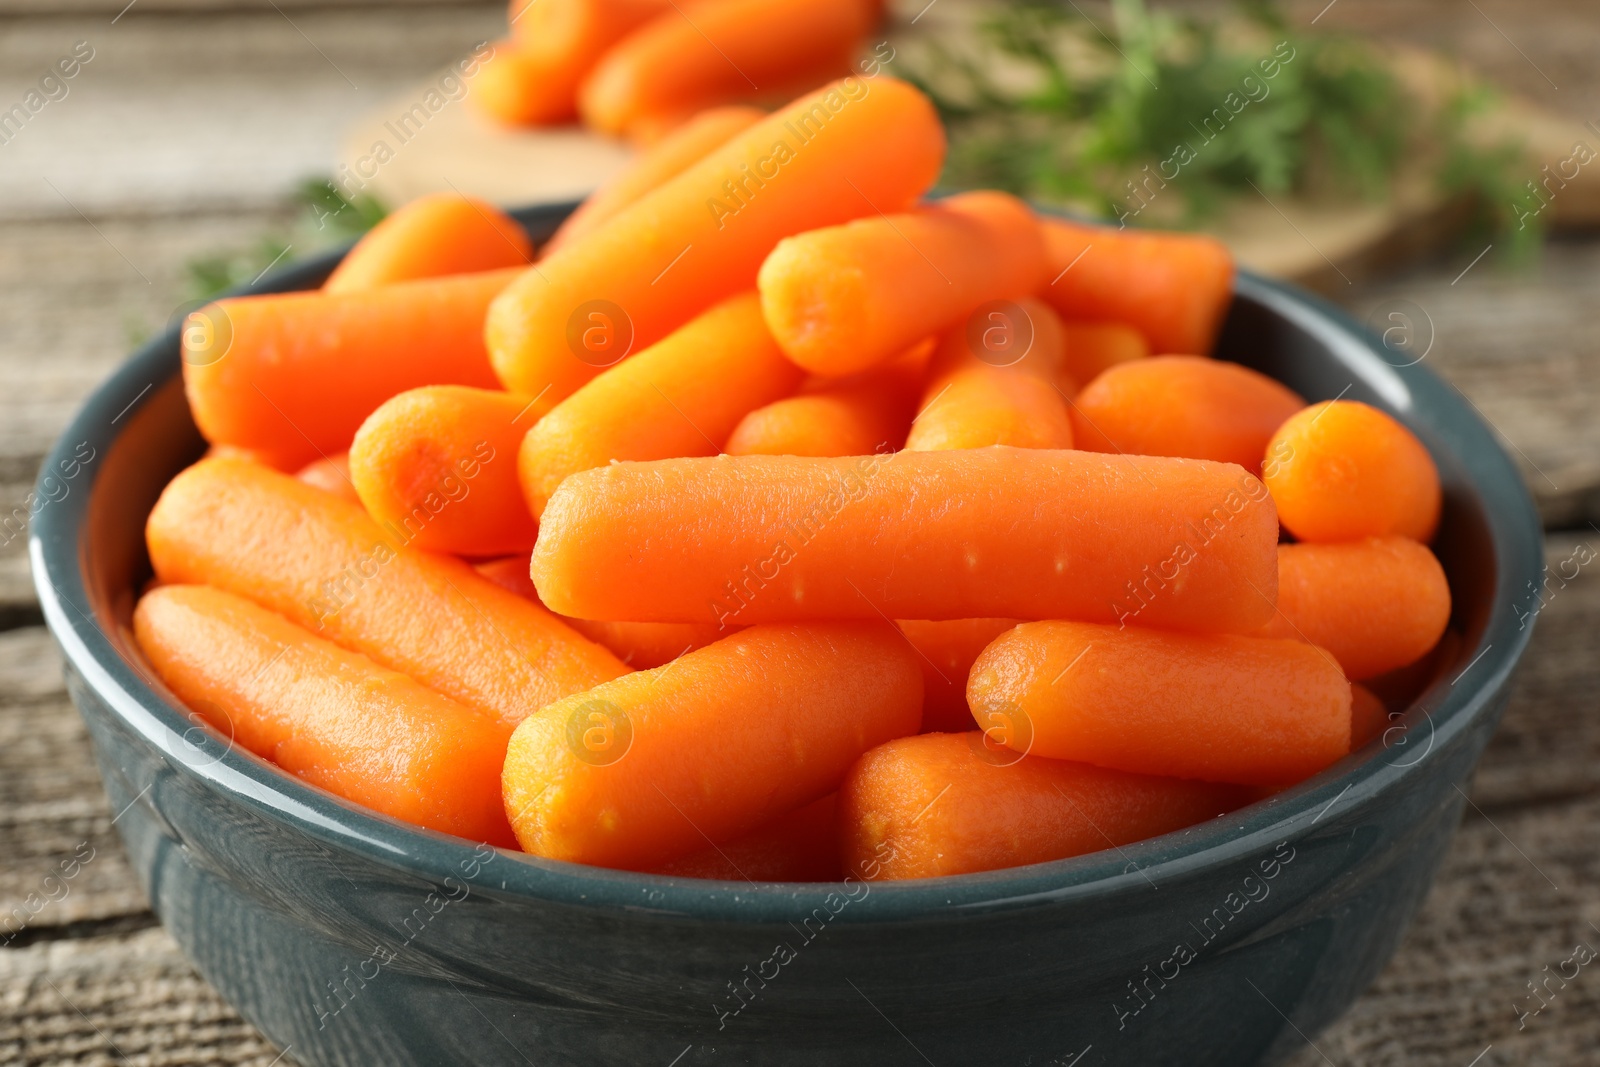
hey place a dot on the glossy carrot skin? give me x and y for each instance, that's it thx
(1341, 470)
(946, 651)
(640, 645)
(1183, 406)
(720, 52)
(325, 565)
(331, 474)
(1173, 288)
(802, 846)
(440, 463)
(995, 380)
(654, 166)
(533, 78)
(845, 151)
(1369, 718)
(1219, 707)
(1095, 347)
(331, 717)
(292, 375)
(934, 805)
(433, 236)
(982, 533)
(1376, 605)
(619, 776)
(845, 298)
(858, 415)
(680, 397)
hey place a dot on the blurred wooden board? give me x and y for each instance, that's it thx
(1323, 245)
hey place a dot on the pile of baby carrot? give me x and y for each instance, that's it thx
(778, 523)
(637, 68)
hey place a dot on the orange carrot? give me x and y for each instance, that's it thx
(680, 397)
(980, 533)
(653, 167)
(620, 776)
(1182, 406)
(980, 406)
(844, 298)
(947, 651)
(853, 416)
(533, 78)
(1368, 717)
(331, 474)
(933, 805)
(331, 717)
(1173, 288)
(222, 451)
(1095, 347)
(1377, 604)
(1250, 710)
(802, 846)
(440, 463)
(293, 374)
(640, 645)
(1341, 471)
(434, 235)
(325, 565)
(847, 150)
(712, 52)
(995, 380)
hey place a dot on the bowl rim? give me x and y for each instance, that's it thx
(147, 709)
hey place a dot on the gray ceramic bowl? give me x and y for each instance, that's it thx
(352, 939)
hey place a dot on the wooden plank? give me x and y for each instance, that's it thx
(1518, 342)
(113, 1001)
(207, 112)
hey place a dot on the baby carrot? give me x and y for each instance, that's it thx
(671, 156)
(844, 298)
(1095, 347)
(845, 151)
(619, 776)
(853, 416)
(325, 565)
(720, 51)
(533, 78)
(680, 397)
(1377, 604)
(640, 645)
(1368, 716)
(980, 533)
(947, 651)
(440, 463)
(223, 451)
(975, 407)
(1341, 471)
(933, 805)
(331, 474)
(1250, 710)
(434, 235)
(995, 381)
(802, 846)
(1182, 406)
(292, 375)
(1173, 288)
(331, 717)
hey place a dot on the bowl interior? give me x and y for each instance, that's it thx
(89, 561)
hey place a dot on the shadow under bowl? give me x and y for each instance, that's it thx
(350, 938)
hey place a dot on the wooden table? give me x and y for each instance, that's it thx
(179, 139)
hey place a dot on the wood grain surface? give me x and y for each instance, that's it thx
(201, 120)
